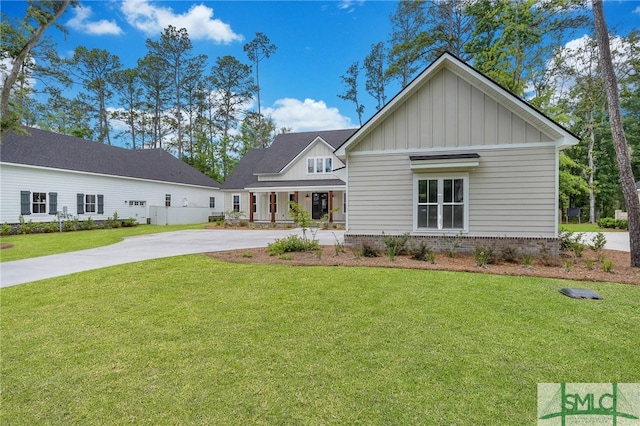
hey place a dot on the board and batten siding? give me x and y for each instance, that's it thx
(298, 170)
(511, 193)
(447, 111)
(117, 192)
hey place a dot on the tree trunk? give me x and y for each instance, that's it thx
(592, 171)
(617, 131)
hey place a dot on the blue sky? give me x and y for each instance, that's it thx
(316, 42)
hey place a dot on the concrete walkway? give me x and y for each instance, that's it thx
(145, 247)
(615, 240)
(167, 244)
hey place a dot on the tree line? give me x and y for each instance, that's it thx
(170, 100)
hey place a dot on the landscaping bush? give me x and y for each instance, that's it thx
(395, 245)
(483, 256)
(611, 223)
(510, 255)
(572, 241)
(369, 251)
(423, 253)
(5, 229)
(291, 243)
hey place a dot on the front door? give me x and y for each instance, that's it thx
(320, 205)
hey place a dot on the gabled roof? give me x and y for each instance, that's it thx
(243, 173)
(563, 137)
(287, 146)
(52, 150)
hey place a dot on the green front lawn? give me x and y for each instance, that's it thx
(192, 340)
(34, 245)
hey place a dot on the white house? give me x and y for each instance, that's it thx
(455, 155)
(44, 174)
(298, 167)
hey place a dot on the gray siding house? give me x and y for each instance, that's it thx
(455, 155)
(43, 174)
(298, 167)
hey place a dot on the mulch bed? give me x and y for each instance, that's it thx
(585, 268)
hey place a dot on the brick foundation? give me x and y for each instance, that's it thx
(525, 246)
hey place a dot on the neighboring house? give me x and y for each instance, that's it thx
(298, 167)
(455, 155)
(45, 175)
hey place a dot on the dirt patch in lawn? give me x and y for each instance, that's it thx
(589, 267)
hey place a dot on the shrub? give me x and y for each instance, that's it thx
(50, 227)
(572, 241)
(422, 253)
(611, 223)
(130, 222)
(369, 251)
(598, 242)
(483, 256)
(25, 227)
(607, 265)
(395, 245)
(510, 255)
(290, 244)
(5, 229)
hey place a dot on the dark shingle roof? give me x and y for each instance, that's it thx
(53, 150)
(287, 146)
(243, 173)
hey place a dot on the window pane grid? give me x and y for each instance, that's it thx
(39, 202)
(440, 204)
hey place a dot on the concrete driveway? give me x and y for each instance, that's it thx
(145, 247)
(167, 244)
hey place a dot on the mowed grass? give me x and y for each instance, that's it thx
(35, 245)
(192, 340)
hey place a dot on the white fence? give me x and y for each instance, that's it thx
(180, 215)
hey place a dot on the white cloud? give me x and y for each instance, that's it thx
(581, 57)
(307, 115)
(80, 22)
(637, 10)
(198, 20)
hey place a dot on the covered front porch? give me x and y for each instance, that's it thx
(271, 205)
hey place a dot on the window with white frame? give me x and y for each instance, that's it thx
(89, 203)
(441, 202)
(39, 204)
(212, 202)
(235, 202)
(319, 165)
(167, 200)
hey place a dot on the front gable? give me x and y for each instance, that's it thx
(451, 106)
(298, 167)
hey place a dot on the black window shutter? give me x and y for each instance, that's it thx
(53, 203)
(100, 204)
(80, 203)
(25, 203)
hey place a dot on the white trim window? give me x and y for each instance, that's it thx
(39, 202)
(442, 202)
(319, 165)
(235, 202)
(90, 203)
